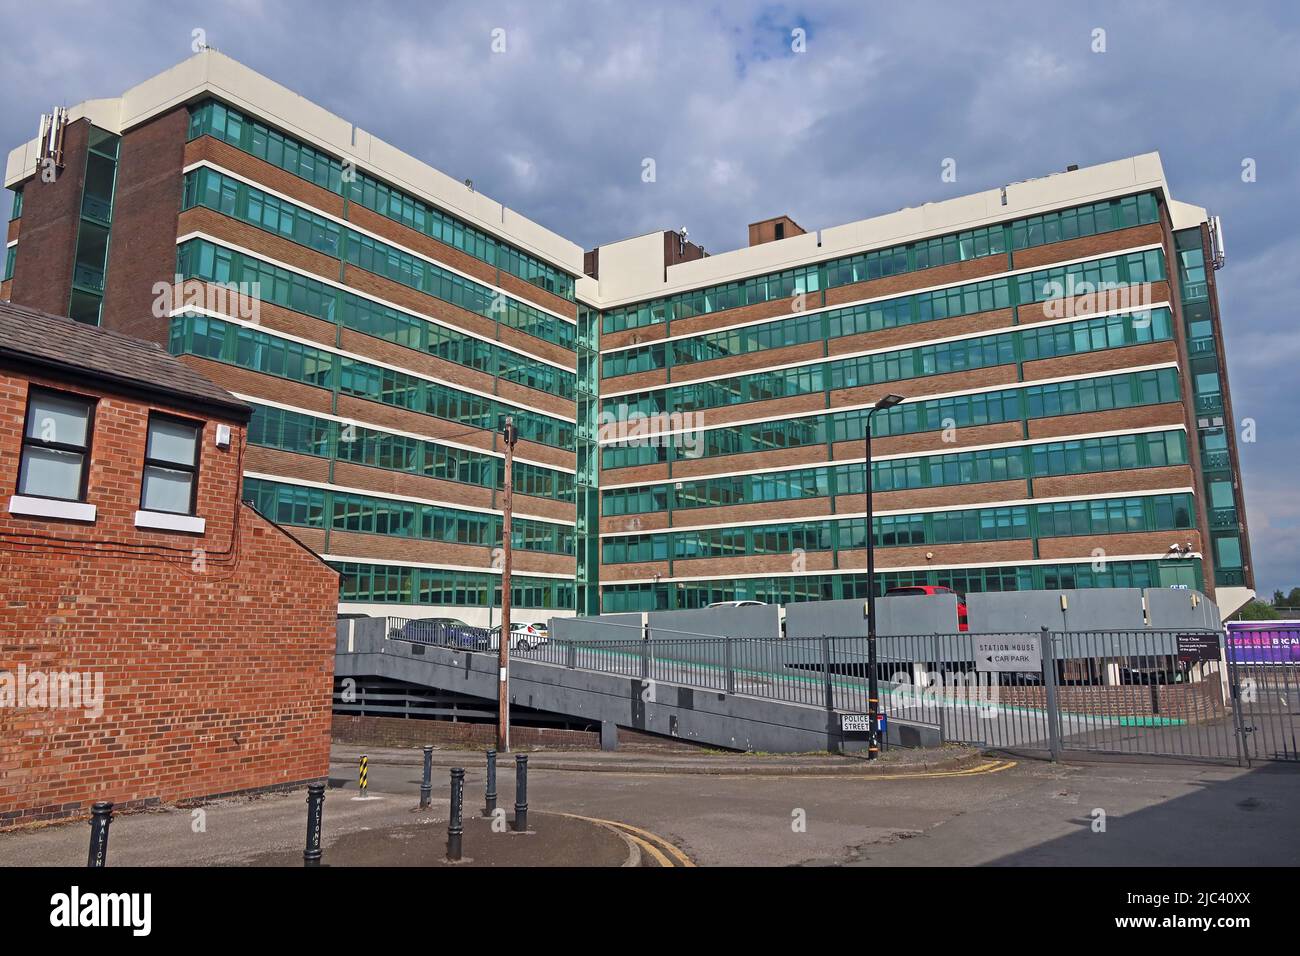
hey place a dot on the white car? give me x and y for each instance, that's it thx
(738, 604)
(523, 637)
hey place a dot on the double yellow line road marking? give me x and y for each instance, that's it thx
(990, 766)
(666, 854)
(656, 847)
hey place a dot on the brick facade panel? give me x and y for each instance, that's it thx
(370, 731)
(1140, 542)
(750, 461)
(749, 362)
(260, 171)
(269, 387)
(650, 521)
(636, 474)
(944, 555)
(943, 496)
(758, 511)
(51, 215)
(403, 419)
(442, 553)
(142, 248)
(1133, 356)
(421, 303)
(1087, 247)
(1145, 416)
(273, 461)
(971, 270)
(634, 382)
(136, 607)
(1106, 482)
(639, 336)
(1085, 305)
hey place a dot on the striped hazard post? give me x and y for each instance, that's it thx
(363, 771)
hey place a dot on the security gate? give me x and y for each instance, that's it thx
(1263, 657)
(1143, 692)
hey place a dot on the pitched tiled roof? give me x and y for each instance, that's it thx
(29, 337)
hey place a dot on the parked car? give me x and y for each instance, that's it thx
(737, 604)
(523, 637)
(962, 622)
(447, 631)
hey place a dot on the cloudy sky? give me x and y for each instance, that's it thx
(742, 127)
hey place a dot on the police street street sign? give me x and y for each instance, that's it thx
(1001, 653)
(853, 724)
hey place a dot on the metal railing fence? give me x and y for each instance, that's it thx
(1121, 691)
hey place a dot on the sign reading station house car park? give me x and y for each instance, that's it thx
(1000, 653)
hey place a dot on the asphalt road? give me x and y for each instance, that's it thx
(1098, 814)
(1034, 813)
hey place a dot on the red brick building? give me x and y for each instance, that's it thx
(159, 639)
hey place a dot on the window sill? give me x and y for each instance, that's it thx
(51, 508)
(165, 521)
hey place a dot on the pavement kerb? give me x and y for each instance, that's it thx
(662, 851)
(633, 851)
(632, 843)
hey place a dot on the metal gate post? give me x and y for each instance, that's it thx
(826, 672)
(1239, 728)
(940, 693)
(731, 667)
(1049, 685)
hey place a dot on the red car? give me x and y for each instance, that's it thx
(962, 624)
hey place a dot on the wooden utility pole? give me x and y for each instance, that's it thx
(503, 645)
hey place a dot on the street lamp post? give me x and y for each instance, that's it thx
(873, 687)
(510, 435)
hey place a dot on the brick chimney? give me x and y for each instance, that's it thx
(770, 230)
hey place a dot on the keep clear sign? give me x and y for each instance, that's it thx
(1002, 653)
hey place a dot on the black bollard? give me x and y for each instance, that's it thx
(454, 827)
(521, 793)
(490, 796)
(101, 815)
(426, 785)
(315, 806)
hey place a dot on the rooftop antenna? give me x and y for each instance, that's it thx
(1216, 242)
(53, 126)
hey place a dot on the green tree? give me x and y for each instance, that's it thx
(1258, 611)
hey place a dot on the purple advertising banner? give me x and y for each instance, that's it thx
(1264, 642)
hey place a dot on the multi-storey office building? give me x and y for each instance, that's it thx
(1065, 420)
(381, 319)
(691, 425)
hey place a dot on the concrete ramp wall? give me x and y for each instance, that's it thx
(690, 713)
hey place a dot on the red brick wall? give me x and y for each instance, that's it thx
(1199, 701)
(217, 677)
(51, 214)
(146, 203)
(401, 732)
